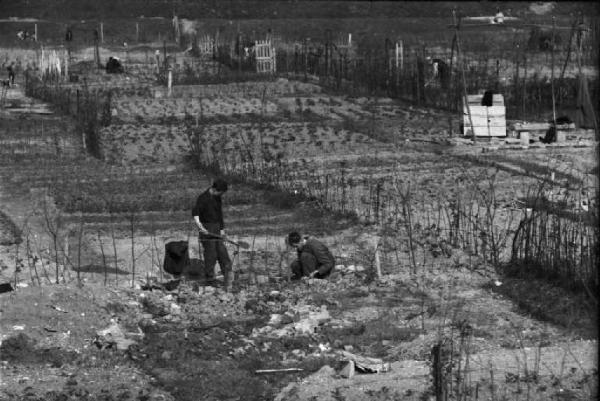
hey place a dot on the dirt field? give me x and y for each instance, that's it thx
(94, 315)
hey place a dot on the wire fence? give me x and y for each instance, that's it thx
(557, 244)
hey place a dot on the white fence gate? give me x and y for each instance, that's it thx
(265, 56)
(206, 45)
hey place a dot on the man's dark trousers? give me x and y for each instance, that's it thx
(214, 250)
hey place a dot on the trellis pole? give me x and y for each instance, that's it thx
(552, 75)
(462, 69)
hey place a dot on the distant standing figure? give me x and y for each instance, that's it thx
(69, 35)
(314, 258)
(11, 73)
(208, 216)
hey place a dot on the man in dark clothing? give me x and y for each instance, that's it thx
(11, 74)
(208, 216)
(314, 258)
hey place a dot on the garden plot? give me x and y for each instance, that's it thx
(87, 74)
(375, 192)
(144, 109)
(146, 142)
(563, 178)
(566, 163)
(382, 118)
(329, 107)
(269, 89)
(118, 88)
(32, 135)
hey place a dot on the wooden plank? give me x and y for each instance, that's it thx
(542, 126)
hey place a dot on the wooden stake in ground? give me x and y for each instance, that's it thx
(462, 69)
(552, 75)
(377, 262)
(96, 53)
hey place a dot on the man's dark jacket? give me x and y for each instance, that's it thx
(209, 209)
(325, 260)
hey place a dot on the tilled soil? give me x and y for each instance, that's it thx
(200, 343)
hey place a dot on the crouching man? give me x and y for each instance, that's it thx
(314, 258)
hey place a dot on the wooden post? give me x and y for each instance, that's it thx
(377, 262)
(401, 55)
(388, 64)
(239, 51)
(497, 75)
(327, 40)
(305, 54)
(216, 46)
(562, 73)
(137, 32)
(524, 88)
(466, 99)
(102, 32)
(552, 75)
(166, 63)
(66, 66)
(97, 53)
(170, 82)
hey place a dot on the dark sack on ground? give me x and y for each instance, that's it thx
(176, 257)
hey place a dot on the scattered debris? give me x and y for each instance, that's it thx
(112, 335)
(365, 364)
(58, 308)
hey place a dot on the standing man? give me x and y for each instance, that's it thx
(208, 216)
(314, 258)
(11, 73)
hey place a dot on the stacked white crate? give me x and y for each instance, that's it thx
(488, 121)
